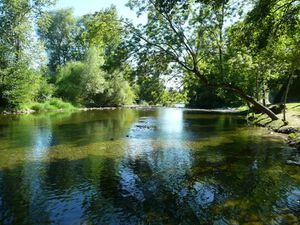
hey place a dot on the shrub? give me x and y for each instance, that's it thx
(117, 93)
(45, 91)
(20, 85)
(69, 84)
(52, 104)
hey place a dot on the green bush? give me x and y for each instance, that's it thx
(19, 85)
(143, 103)
(150, 89)
(80, 82)
(69, 82)
(52, 104)
(117, 93)
(45, 91)
(59, 104)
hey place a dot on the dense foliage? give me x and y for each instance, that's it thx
(205, 53)
(227, 49)
(85, 66)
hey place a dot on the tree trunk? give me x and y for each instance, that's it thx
(239, 92)
(285, 96)
(264, 95)
(256, 88)
(221, 41)
(259, 106)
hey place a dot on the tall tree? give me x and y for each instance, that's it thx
(270, 19)
(16, 26)
(172, 29)
(271, 30)
(59, 30)
(17, 73)
(103, 30)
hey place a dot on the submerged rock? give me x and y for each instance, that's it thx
(204, 194)
(288, 130)
(294, 163)
(146, 127)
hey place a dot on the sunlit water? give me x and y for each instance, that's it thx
(166, 166)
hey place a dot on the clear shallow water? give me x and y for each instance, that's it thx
(166, 166)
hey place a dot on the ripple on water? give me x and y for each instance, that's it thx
(164, 166)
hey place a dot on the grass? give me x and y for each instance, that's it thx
(295, 137)
(264, 120)
(292, 116)
(242, 108)
(294, 108)
(52, 104)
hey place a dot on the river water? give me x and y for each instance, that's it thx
(163, 166)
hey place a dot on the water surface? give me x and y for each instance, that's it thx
(164, 166)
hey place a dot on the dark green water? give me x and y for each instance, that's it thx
(166, 166)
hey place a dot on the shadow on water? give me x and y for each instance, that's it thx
(151, 190)
(173, 168)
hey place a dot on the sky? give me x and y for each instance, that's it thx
(82, 7)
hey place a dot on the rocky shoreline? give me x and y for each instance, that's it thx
(292, 140)
(292, 137)
(217, 111)
(30, 111)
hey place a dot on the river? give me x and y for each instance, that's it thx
(160, 166)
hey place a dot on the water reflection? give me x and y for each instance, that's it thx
(166, 166)
(130, 183)
(171, 121)
(43, 139)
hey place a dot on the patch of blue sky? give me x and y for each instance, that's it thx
(82, 7)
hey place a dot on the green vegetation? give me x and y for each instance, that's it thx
(52, 104)
(292, 125)
(294, 108)
(224, 64)
(294, 139)
(202, 53)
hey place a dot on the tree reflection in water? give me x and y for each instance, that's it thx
(166, 166)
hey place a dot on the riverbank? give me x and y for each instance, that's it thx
(217, 111)
(30, 111)
(291, 128)
(140, 107)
